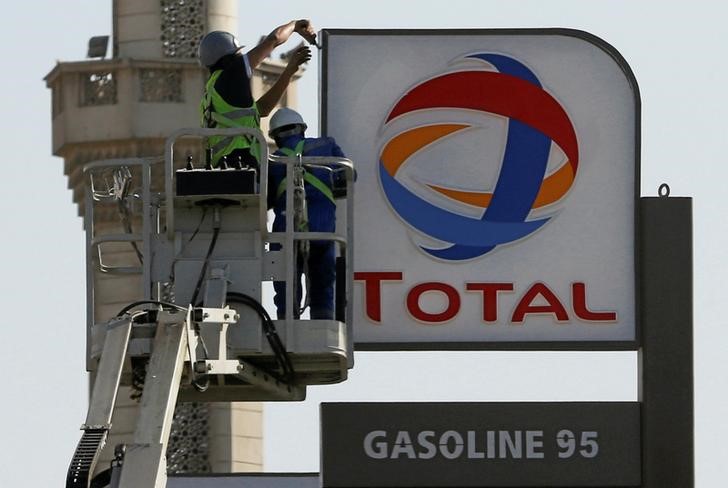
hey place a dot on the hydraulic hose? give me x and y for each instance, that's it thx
(269, 329)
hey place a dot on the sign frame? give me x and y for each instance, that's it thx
(558, 345)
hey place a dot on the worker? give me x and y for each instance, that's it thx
(287, 129)
(228, 99)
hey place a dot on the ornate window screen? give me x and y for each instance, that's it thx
(160, 85)
(98, 89)
(188, 447)
(183, 25)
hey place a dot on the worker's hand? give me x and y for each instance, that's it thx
(305, 30)
(300, 56)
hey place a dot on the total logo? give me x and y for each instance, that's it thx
(535, 122)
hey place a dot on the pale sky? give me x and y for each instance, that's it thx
(677, 51)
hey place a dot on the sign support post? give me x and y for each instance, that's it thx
(666, 357)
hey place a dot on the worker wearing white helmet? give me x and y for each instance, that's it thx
(228, 99)
(287, 128)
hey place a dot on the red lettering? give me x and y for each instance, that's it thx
(525, 306)
(373, 290)
(453, 302)
(538, 299)
(578, 299)
(490, 297)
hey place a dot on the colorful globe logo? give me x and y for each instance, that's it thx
(535, 121)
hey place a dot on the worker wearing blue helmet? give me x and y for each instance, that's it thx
(287, 128)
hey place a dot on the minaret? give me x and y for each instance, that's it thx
(125, 107)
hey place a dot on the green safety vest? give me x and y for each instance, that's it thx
(216, 112)
(307, 177)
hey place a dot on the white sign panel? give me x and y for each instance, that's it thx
(496, 190)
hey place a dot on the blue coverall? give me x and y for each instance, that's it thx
(321, 218)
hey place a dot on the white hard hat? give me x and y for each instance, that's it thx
(215, 45)
(284, 117)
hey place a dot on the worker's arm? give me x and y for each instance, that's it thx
(267, 102)
(280, 35)
(339, 179)
(336, 150)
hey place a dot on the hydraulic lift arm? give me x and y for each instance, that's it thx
(103, 397)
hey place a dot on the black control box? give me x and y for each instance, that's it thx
(230, 181)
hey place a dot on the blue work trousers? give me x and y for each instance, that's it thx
(321, 267)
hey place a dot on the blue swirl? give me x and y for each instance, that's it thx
(524, 166)
(450, 227)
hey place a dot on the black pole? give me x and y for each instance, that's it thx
(666, 357)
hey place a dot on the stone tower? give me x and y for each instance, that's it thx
(124, 107)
